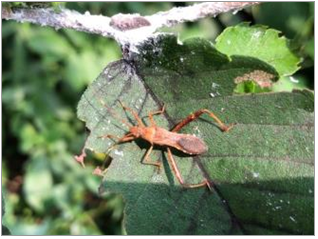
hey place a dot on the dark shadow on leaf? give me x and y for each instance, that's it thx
(166, 209)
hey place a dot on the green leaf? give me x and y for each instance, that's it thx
(294, 15)
(38, 183)
(5, 230)
(202, 67)
(249, 87)
(259, 42)
(48, 43)
(262, 170)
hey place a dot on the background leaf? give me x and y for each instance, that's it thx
(261, 43)
(42, 133)
(38, 186)
(5, 230)
(262, 169)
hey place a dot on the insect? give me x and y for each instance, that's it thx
(155, 135)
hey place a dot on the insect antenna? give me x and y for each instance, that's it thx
(116, 116)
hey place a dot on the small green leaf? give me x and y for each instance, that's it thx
(262, 170)
(249, 87)
(259, 42)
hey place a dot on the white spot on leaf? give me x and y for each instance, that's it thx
(292, 79)
(119, 153)
(292, 218)
(255, 175)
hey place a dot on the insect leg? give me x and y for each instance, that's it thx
(125, 138)
(196, 115)
(152, 122)
(178, 175)
(128, 137)
(146, 159)
(140, 123)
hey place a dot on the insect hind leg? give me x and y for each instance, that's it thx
(176, 171)
(196, 115)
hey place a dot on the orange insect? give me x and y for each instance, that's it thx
(155, 135)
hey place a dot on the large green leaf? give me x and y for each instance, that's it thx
(262, 170)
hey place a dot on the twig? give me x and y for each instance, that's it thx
(195, 12)
(124, 28)
(64, 19)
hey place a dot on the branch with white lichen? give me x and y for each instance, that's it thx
(124, 28)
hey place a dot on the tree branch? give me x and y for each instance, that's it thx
(196, 12)
(124, 28)
(64, 19)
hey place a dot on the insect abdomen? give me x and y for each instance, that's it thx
(192, 145)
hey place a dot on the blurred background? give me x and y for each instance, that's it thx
(45, 72)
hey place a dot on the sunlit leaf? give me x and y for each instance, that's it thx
(259, 42)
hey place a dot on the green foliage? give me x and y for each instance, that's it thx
(262, 169)
(261, 43)
(55, 5)
(46, 71)
(197, 54)
(5, 230)
(295, 15)
(296, 22)
(14, 4)
(40, 94)
(249, 87)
